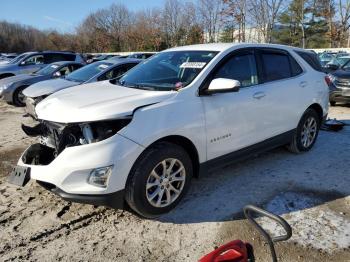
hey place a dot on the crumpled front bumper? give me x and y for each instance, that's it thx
(68, 173)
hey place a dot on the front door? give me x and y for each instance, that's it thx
(236, 120)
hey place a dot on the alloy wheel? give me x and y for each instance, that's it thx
(165, 183)
(309, 131)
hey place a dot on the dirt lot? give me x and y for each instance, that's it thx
(312, 191)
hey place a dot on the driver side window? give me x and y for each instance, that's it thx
(34, 60)
(64, 71)
(241, 67)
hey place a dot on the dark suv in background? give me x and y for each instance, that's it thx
(33, 61)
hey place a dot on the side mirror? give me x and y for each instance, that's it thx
(223, 85)
(57, 74)
(332, 66)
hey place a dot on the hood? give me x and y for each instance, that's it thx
(96, 101)
(17, 78)
(48, 87)
(341, 73)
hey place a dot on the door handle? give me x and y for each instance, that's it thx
(259, 95)
(303, 84)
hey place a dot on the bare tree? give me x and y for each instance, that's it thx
(344, 13)
(211, 17)
(265, 13)
(235, 11)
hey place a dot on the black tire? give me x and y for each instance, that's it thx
(296, 145)
(16, 97)
(135, 191)
(332, 103)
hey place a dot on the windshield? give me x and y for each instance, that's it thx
(85, 73)
(342, 60)
(48, 70)
(17, 58)
(346, 65)
(167, 70)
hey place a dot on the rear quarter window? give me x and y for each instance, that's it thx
(311, 59)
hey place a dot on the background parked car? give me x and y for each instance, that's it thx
(94, 72)
(11, 88)
(335, 63)
(5, 58)
(141, 55)
(100, 58)
(33, 61)
(340, 85)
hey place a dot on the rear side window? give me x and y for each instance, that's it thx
(311, 59)
(276, 66)
(52, 58)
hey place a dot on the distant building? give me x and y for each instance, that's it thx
(252, 35)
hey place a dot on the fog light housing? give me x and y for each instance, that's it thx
(100, 176)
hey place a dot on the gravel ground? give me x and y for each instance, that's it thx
(311, 190)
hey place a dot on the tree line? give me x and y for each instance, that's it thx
(303, 23)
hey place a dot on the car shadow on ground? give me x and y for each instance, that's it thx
(277, 180)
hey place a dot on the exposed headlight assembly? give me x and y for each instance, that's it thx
(98, 131)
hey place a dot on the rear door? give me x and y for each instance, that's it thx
(283, 83)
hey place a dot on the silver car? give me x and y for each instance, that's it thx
(31, 62)
(11, 87)
(98, 71)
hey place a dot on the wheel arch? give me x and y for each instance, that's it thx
(21, 86)
(318, 109)
(187, 145)
(4, 75)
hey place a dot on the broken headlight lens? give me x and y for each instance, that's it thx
(98, 131)
(100, 176)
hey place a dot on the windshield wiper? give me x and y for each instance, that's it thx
(143, 87)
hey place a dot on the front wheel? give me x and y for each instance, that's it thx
(19, 97)
(159, 179)
(306, 133)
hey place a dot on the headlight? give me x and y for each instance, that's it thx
(4, 87)
(100, 176)
(332, 77)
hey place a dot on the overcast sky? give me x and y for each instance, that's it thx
(62, 15)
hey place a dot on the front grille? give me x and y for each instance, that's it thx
(342, 82)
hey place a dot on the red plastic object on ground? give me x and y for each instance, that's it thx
(238, 251)
(234, 251)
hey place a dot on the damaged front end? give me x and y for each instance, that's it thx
(55, 137)
(31, 103)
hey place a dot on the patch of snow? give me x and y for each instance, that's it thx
(313, 226)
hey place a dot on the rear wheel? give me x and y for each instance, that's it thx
(332, 103)
(306, 133)
(18, 97)
(159, 179)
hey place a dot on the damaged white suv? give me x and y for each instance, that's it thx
(141, 138)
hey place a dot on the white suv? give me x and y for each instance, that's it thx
(141, 138)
